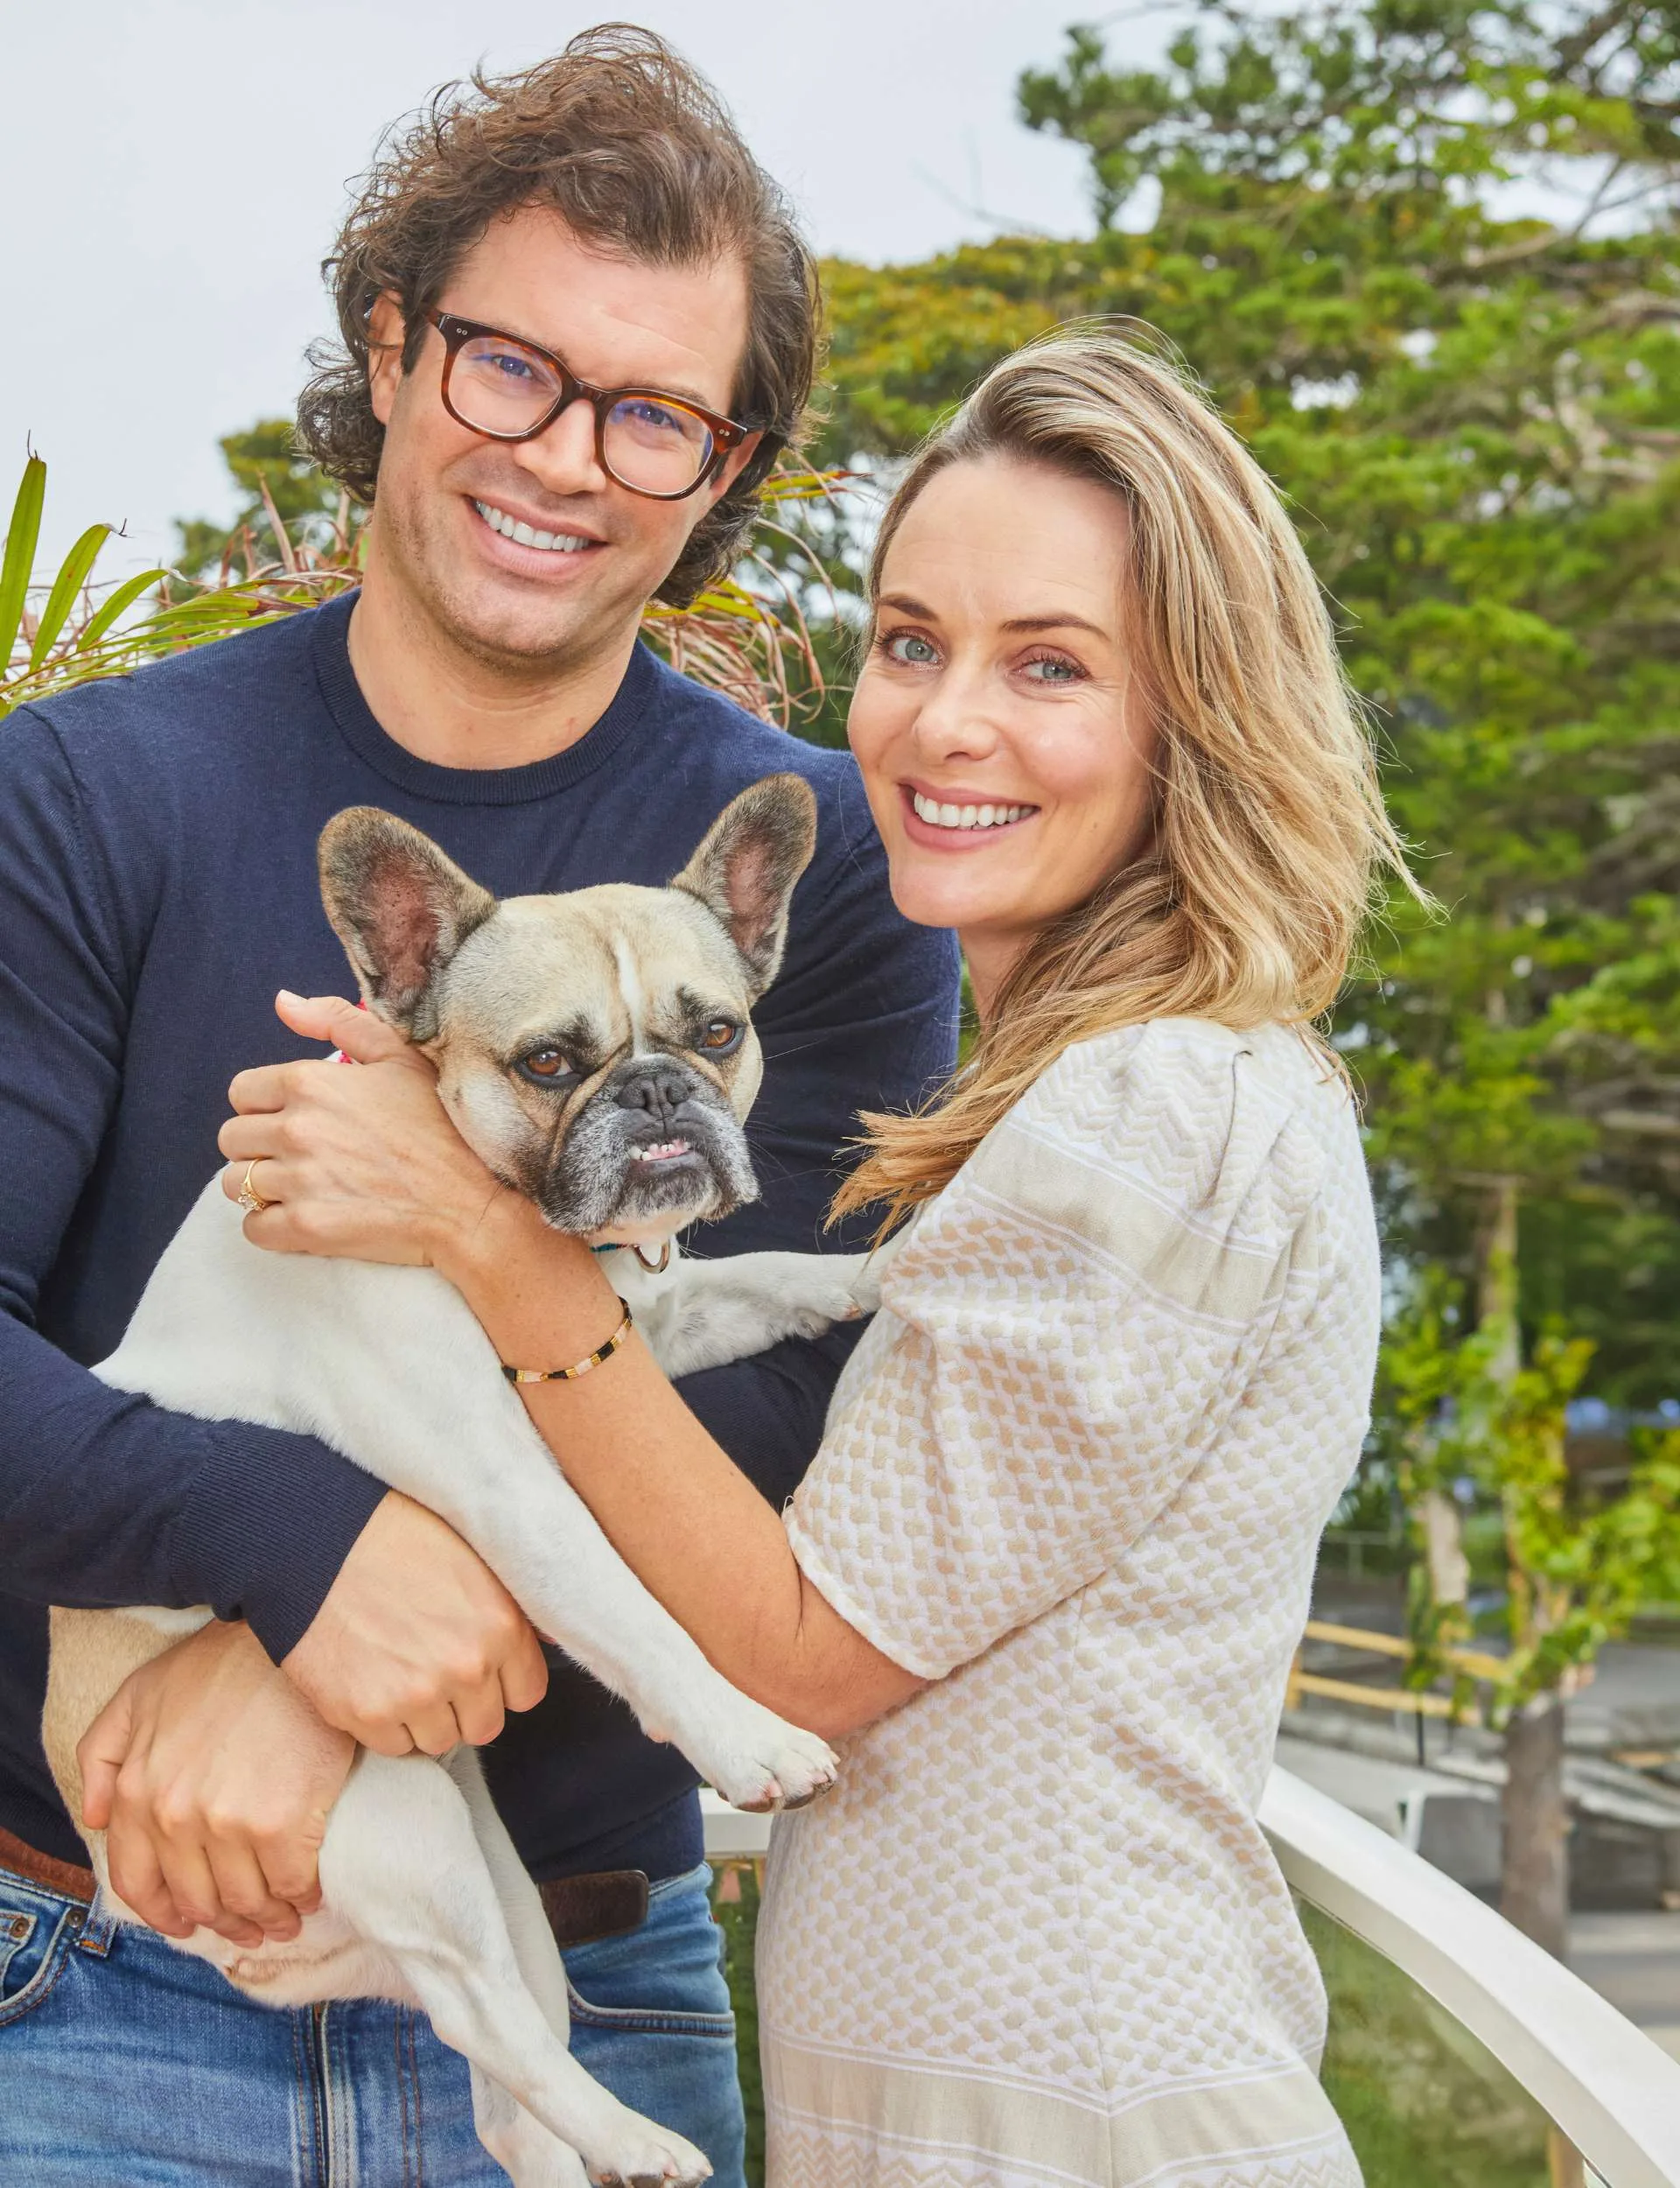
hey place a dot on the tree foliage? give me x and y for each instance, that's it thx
(281, 495)
(1579, 1562)
(1415, 102)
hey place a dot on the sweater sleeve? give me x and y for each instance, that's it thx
(862, 1016)
(105, 1498)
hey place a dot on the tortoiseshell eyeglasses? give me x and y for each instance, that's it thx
(662, 445)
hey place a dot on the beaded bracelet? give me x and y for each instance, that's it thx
(568, 1374)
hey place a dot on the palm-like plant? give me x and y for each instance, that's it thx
(749, 640)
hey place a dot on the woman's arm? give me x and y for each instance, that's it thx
(673, 1503)
(367, 1164)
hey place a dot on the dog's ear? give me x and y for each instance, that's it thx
(745, 871)
(401, 909)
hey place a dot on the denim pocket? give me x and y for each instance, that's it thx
(662, 1979)
(648, 2020)
(37, 1928)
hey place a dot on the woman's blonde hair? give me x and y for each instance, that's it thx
(1268, 829)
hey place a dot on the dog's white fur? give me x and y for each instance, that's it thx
(424, 1899)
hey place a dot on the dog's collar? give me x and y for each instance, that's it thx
(653, 1268)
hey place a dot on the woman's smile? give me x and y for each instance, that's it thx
(946, 818)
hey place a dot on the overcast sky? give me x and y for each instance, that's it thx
(172, 173)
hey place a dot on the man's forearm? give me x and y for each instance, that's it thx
(106, 1498)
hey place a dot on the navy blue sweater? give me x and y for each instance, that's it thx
(157, 886)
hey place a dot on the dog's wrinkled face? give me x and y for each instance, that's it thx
(597, 1049)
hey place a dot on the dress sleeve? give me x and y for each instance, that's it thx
(1064, 1331)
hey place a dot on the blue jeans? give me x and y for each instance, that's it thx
(124, 2064)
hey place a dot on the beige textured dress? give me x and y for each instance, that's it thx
(1077, 1473)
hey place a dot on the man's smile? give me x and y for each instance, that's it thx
(524, 534)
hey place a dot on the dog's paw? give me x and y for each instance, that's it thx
(532, 2157)
(769, 1765)
(823, 1304)
(636, 2153)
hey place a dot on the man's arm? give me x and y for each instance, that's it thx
(104, 1497)
(862, 1016)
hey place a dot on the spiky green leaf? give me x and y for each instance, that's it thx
(119, 604)
(21, 536)
(78, 567)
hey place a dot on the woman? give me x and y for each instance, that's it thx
(1063, 1521)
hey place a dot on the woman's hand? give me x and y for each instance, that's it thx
(213, 1778)
(362, 1165)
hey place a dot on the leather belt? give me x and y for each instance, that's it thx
(603, 1905)
(580, 1909)
(65, 1877)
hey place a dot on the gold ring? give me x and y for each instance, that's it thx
(249, 1199)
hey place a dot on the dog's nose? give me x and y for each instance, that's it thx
(658, 1093)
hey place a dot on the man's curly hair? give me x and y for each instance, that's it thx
(638, 156)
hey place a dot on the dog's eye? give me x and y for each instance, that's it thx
(722, 1037)
(546, 1065)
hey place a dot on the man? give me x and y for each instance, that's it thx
(592, 224)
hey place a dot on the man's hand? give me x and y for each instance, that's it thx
(417, 1643)
(213, 1778)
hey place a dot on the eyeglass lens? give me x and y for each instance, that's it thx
(498, 386)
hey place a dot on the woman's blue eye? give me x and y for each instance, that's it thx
(1055, 672)
(911, 647)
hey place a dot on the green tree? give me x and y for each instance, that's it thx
(1475, 419)
(274, 481)
(1578, 1565)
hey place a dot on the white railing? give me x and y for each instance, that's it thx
(1610, 2090)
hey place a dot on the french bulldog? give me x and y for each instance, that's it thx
(597, 1049)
